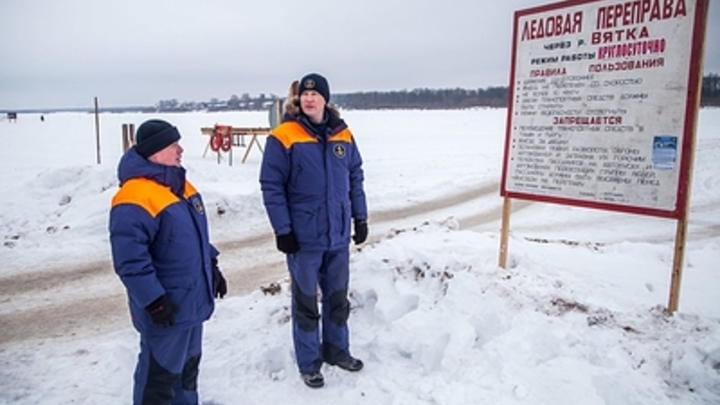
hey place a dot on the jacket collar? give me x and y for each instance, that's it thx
(132, 165)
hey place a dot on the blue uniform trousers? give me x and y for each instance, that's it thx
(330, 270)
(167, 368)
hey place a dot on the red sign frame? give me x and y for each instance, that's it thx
(694, 67)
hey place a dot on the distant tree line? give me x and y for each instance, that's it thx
(435, 99)
(431, 99)
(234, 103)
(403, 99)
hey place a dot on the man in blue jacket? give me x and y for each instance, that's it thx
(312, 184)
(162, 253)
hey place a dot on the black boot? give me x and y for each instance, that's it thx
(313, 380)
(349, 364)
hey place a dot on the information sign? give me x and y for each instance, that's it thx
(603, 104)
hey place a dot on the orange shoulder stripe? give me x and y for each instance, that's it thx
(147, 194)
(289, 133)
(190, 190)
(343, 136)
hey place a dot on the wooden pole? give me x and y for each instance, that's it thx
(125, 138)
(97, 131)
(681, 231)
(678, 259)
(228, 133)
(504, 232)
(128, 135)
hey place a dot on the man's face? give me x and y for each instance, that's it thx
(313, 105)
(170, 156)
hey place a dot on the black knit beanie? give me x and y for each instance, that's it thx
(153, 136)
(314, 81)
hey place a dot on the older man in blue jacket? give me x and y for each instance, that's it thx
(312, 185)
(162, 253)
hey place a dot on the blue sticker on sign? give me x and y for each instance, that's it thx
(664, 154)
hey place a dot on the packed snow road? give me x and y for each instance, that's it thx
(88, 297)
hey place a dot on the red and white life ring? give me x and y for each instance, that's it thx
(221, 138)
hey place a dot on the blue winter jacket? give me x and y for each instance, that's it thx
(312, 181)
(160, 243)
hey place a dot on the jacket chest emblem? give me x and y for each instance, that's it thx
(339, 151)
(197, 204)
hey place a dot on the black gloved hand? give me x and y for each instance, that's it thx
(219, 282)
(287, 243)
(361, 231)
(162, 311)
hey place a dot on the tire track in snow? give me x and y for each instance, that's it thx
(52, 313)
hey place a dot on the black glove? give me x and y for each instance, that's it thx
(219, 283)
(162, 311)
(361, 231)
(287, 243)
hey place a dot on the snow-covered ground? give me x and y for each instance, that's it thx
(577, 318)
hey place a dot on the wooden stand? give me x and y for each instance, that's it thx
(128, 136)
(238, 134)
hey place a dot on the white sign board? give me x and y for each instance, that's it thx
(604, 99)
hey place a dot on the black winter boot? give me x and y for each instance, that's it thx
(349, 364)
(313, 380)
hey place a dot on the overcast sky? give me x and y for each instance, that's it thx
(62, 53)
